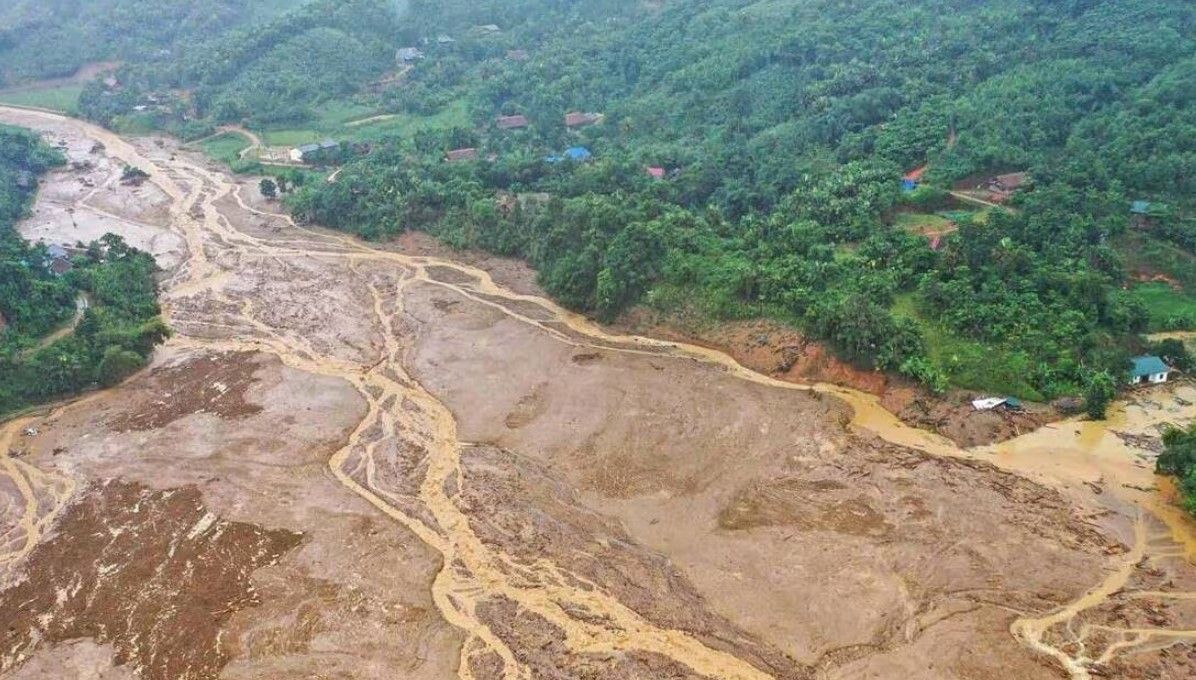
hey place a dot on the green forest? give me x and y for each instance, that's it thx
(42, 39)
(1179, 460)
(777, 133)
(117, 331)
(784, 130)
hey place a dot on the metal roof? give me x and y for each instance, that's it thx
(1147, 366)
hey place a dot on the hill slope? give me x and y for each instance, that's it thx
(783, 129)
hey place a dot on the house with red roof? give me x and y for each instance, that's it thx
(578, 119)
(655, 172)
(458, 155)
(512, 122)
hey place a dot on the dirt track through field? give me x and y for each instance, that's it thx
(475, 571)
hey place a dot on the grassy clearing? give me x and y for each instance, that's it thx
(62, 98)
(922, 223)
(334, 122)
(1170, 309)
(226, 147)
(968, 364)
(1151, 256)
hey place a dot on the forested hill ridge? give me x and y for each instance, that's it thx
(749, 160)
(54, 38)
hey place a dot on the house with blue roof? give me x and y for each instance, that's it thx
(1149, 370)
(579, 154)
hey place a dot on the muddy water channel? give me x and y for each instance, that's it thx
(379, 464)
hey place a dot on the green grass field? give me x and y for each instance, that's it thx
(1147, 255)
(921, 223)
(226, 147)
(62, 98)
(334, 119)
(1170, 309)
(968, 364)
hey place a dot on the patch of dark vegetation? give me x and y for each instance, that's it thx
(151, 572)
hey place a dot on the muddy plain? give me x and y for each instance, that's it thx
(362, 462)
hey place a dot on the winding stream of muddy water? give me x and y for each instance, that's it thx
(1065, 455)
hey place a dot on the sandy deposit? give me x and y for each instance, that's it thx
(379, 464)
(85, 200)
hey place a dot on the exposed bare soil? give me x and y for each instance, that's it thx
(355, 462)
(784, 353)
(152, 572)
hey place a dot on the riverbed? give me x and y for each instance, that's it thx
(381, 463)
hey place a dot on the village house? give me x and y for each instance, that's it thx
(578, 154)
(408, 55)
(655, 172)
(1002, 187)
(578, 119)
(1146, 214)
(912, 179)
(512, 122)
(1149, 370)
(58, 260)
(310, 152)
(459, 155)
(300, 152)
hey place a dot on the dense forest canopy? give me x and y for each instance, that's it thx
(55, 38)
(778, 132)
(120, 327)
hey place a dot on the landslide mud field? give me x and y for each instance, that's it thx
(351, 462)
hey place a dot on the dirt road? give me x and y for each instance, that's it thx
(382, 464)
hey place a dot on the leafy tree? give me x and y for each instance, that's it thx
(1099, 392)
(268, 188)
(1178, 459)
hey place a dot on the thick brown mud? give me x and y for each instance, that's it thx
(489, 486)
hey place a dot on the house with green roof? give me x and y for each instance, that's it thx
(1149, 370)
